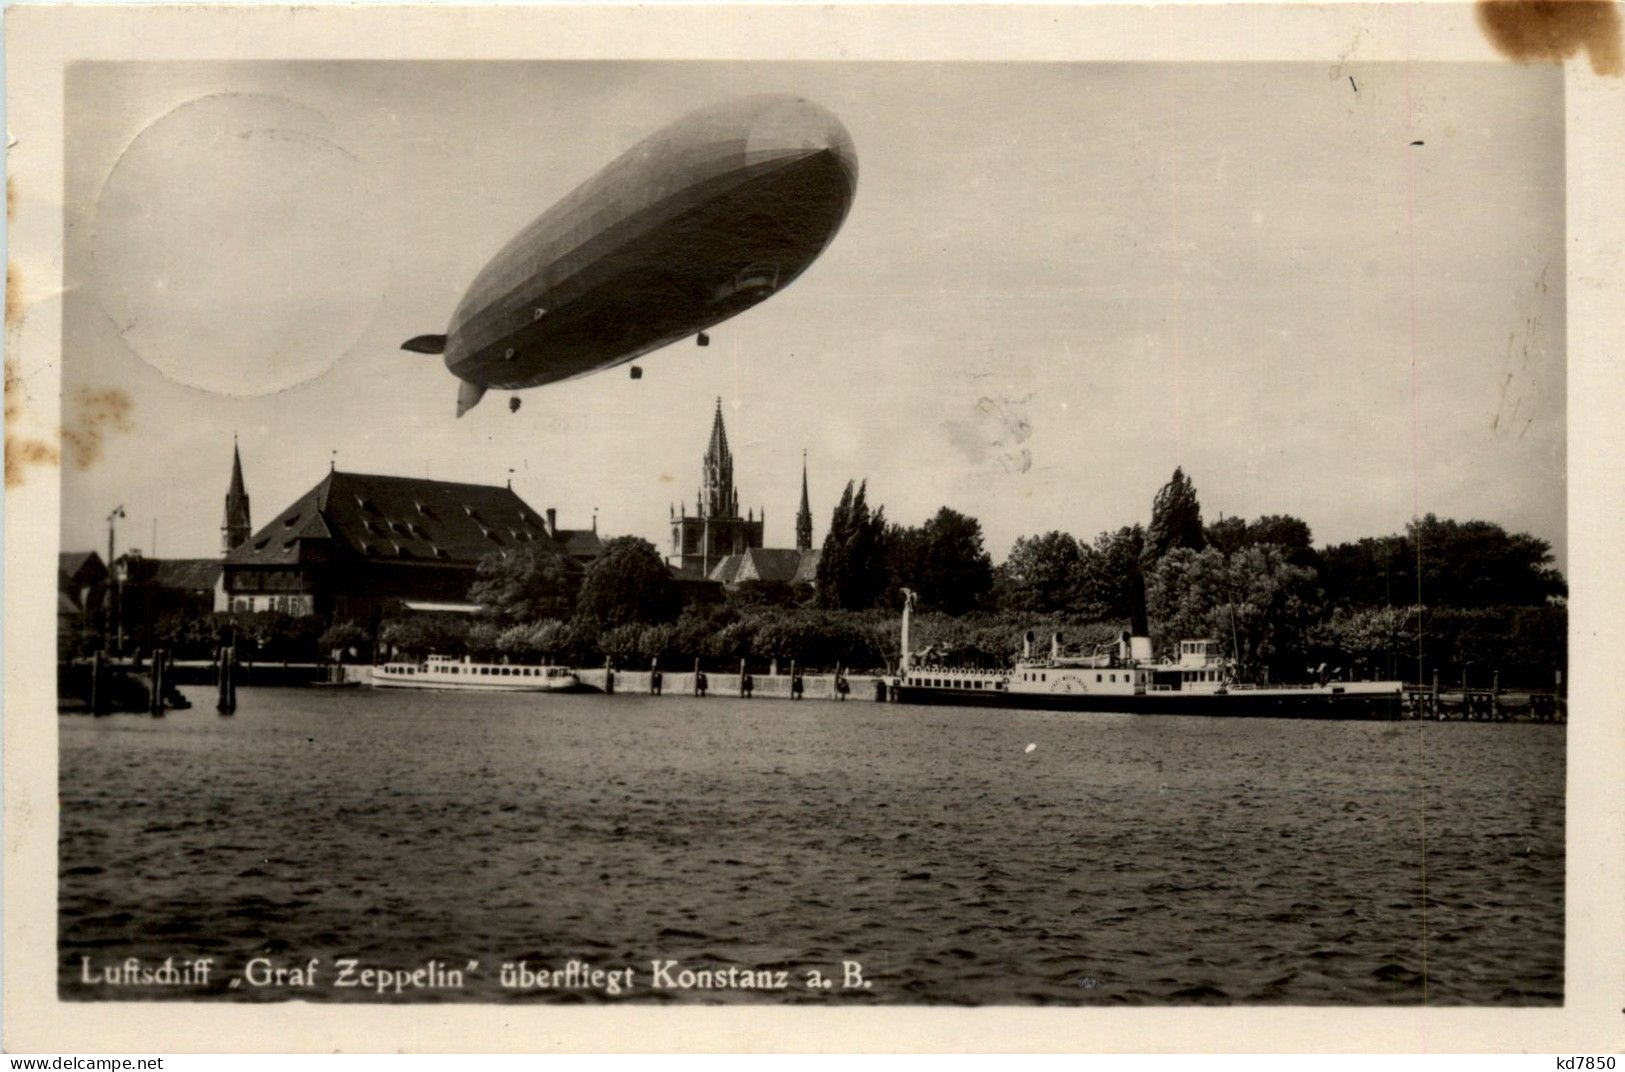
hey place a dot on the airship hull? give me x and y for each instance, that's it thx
(694, 225)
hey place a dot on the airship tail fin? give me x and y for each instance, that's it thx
(425, 344)
(468, 396)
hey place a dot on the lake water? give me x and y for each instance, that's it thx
(959, 856)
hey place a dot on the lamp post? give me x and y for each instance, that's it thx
(112, 579)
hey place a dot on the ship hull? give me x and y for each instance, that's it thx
(1283, 703)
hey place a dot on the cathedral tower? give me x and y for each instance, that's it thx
(715, 530)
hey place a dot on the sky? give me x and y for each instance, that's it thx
(1057, 283)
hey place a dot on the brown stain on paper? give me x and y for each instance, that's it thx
(14, 298)
(1550, 31)
(96, 412)
(22, 453)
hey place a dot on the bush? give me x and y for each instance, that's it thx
(425, 634)
(348, 639)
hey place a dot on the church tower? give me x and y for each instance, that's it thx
(717, 496)
(715, 530)
(804, 515)
(237, 528)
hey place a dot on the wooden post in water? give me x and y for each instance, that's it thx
(1435, 694)
(155, 698)
(98, 686)
(227, 676)
(609, 677)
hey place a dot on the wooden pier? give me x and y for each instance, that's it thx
(1482, 705)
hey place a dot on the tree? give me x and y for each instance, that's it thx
(1111, 582)
(1176, 520)
(852, 570)
(1443, 564)
(1256, 603)
(346, 638)
(626, 583)
(1228, 534)
(1043, 573)
(954, 570)
(528, 584)
(1290, 534)
(426, 634)
(1480, 564)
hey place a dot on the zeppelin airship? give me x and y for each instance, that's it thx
(698, 222)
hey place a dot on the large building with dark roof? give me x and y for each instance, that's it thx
(357, 541)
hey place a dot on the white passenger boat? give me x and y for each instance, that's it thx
(463, 675)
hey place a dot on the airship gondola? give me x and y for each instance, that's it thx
(695, 224)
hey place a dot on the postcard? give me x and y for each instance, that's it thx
(752, 528)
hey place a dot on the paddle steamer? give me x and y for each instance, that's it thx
(1125, 678)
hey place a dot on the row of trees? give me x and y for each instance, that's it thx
(1475, 595)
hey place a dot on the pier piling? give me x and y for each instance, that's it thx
(226, 679)
(159, 680)
(98, 684)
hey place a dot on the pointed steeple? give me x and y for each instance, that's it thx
(804, 515)
(237, 527)
(717, 495)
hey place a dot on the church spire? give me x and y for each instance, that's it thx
(717, 495)
(804, 515)
(237, 527)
